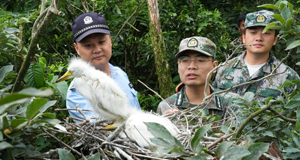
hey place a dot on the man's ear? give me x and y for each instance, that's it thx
(215, 64)
(76, 47)
(243, 38)
(275, 40)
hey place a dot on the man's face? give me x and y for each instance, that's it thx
(261, 42)
(96, 49)
(194, 74)
(241, 27)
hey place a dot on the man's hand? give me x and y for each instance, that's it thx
(170, 111)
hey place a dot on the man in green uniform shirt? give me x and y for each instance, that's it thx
(257, 62)
(195, 61)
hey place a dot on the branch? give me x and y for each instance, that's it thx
(254, 114)
(282, 116)
(37, 31)
(137, 8)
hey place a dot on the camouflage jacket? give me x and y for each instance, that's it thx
(180, 101)
(236, 72)
(237, 44)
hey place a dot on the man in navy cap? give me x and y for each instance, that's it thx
(92, 42)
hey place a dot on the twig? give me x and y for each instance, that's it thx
(123, 153)
(282, 116)
(137, 8)
(254, 114)
(219, 140)
(69, 147)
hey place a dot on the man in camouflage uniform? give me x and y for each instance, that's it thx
(257, 62)
(195, 61)
(237, 43)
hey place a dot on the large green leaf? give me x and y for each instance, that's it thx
(37, 92)
(279, 18)
(256, 149)
(293, 45)
(94, 157)
(34, 107)
(159, 131)
(293, 102)
(286, 13)
(18, 123)
(195, 142)
(4, 145)
(4, 70)
(235, 153)
(35, 76)
(62, 88)
(270, 6)
(296, 139)
(222, 148)
(65, 154)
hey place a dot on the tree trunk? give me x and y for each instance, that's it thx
(38, 28)
(159, 49)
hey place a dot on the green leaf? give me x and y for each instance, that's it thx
(5, 123)
(195, 142)
(279, 18)
(5, 145)
(293, 102)
(43, 62)
(49, 115)
(4, 70)
(11, 30)
(296, 139)
(65, 154)
(94, 157)
(286, 13)
(18, 123)
(222, 148)
(34, 107)
(235, 153)
(272, 25)
(35, 76)
(289, 23)
(37, 92)
(62, 88)
(257, 149)
(1, 136)
(198, 157)
(269, 134)
(298, 114)
(270, 6)
(291, 150)
(293, 45)
(249, 96)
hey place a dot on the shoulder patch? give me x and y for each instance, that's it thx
(236, 63)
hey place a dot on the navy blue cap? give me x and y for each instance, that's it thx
(88, 23)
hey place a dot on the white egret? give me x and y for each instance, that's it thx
(110, 102)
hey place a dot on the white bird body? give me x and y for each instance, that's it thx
(110, 102)
(104, 94)
(137, 131)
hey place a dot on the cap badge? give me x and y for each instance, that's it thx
(87, 20)
(192, 42)
(260, 18)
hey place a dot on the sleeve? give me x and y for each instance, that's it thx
(162, 107)
(73, 99)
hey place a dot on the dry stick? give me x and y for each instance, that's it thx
(222, 64)
(219, 140)
(154, 92)
(123, 153)
(70, 109)
(137, 8)
(282, 116)
(62, 142)
(115, 133)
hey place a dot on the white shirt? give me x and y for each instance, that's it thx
(253, 68)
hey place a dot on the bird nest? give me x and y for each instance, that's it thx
(88, 138)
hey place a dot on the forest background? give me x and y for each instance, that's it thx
(132, 48)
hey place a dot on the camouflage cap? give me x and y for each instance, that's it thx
(260, 18)
(199, 44)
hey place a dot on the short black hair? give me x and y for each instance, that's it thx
(276, 31)
(241, 18)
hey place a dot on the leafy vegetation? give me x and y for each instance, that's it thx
(27, 115)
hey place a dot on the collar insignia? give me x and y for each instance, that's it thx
(87, 20)
(260, 18)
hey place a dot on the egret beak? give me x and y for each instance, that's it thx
(110, 127)
(64, 77)
(115, 124)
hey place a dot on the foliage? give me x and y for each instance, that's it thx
(22, 116)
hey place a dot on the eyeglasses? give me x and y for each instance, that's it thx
(198, 61)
